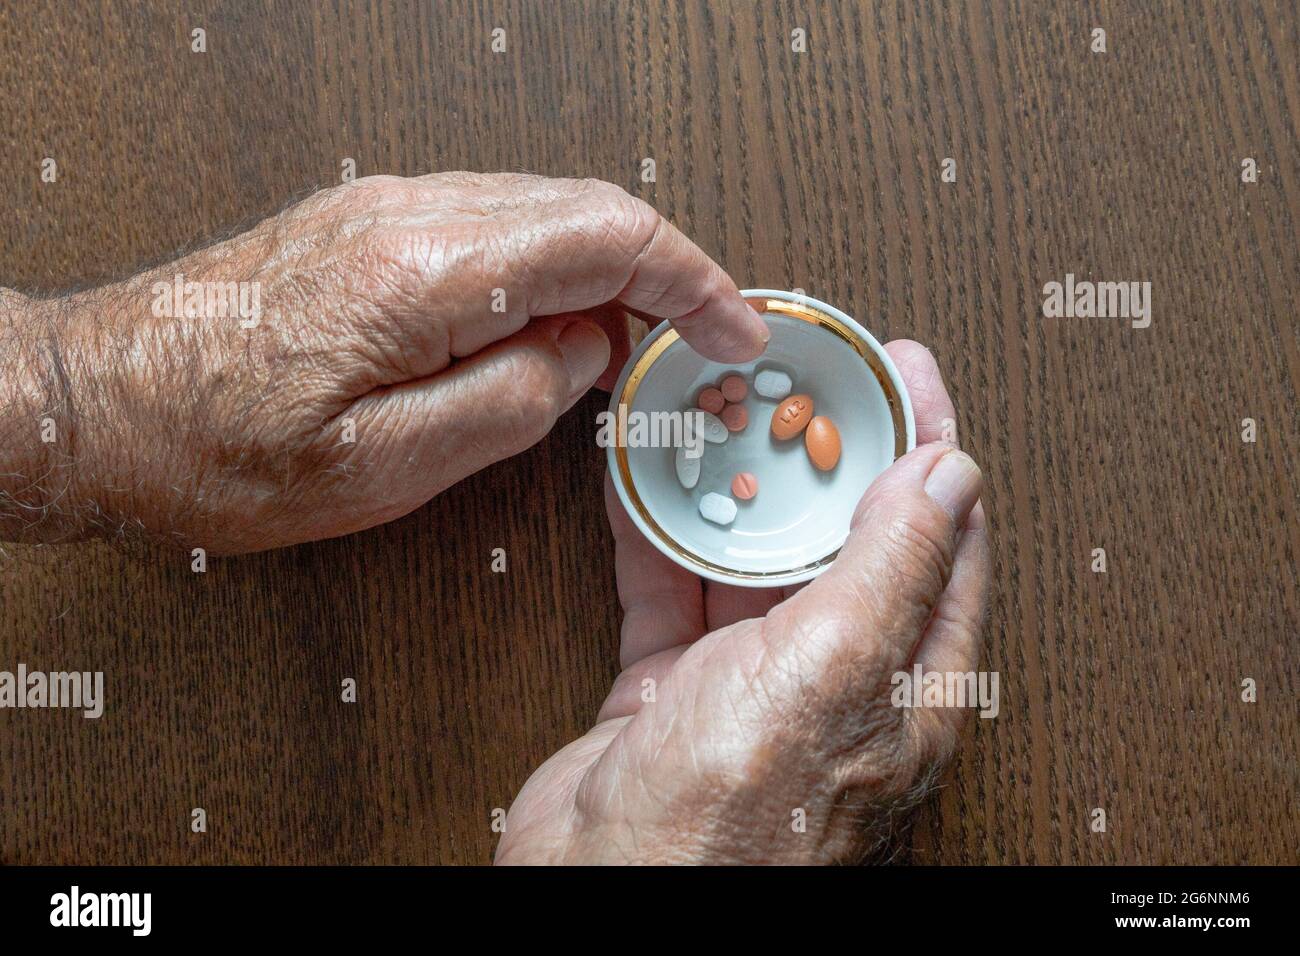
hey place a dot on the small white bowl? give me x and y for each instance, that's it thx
(793, 528)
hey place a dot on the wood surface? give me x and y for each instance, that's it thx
(818, 170)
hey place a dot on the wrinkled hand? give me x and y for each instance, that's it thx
(443, 323)
(772, 702)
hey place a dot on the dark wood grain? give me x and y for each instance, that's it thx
(819, 171)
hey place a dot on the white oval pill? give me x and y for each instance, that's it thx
(710, 426)
(688, 468)
(773, 383)
(718, 508)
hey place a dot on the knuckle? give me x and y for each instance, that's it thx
(401, 266)
(599, 187)
(691, 310)
(919, 548)
(466, 178)
(382, 248)
(381, 187)
(375, 277)
(371, 193)
(629, 222)
(535, 401)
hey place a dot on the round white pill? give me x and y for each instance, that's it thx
(688, 468)
(718, 508)
(773, 383)
(710, 426)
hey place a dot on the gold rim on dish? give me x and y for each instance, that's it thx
(805, 313)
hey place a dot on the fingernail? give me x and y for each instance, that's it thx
(955, 483)
(764, 332)
(586, 353)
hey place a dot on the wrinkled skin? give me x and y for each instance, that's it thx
(767, 703)
(377, 305)
(377, 315)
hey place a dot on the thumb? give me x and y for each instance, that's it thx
(874, 602)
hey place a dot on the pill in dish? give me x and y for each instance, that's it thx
(773, 383)
(711, 427)
(791, 417)
(822, 440)
(688, 468)
(791, 529)
(735, 417)
(744, 486)
(718, 508)
(711, 400)
(734, 388)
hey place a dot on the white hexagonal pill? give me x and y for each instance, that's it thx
(718, 508)
(711, 427)
(688, 468)
(773, 383)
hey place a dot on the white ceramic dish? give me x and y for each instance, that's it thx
(793, 529)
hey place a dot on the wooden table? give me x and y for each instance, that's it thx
(819, 170)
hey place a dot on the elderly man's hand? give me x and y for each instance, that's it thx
(772, 708)
(411, 331)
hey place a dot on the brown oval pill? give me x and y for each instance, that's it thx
(744, 486)
(735, 418)
(791, 416)
(711, 400)
(734, 388)
(822, 439)
(758, 305)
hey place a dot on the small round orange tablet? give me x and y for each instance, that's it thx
(734, 388)
(711, 400)
(744, 486)
(735, 418)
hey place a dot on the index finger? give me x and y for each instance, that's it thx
(592, 243)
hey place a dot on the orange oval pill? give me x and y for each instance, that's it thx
(744, 486)
(822, 439)
(758, 305)
(735, 418)
(791, 416)
(734, 388)
(711, 400)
